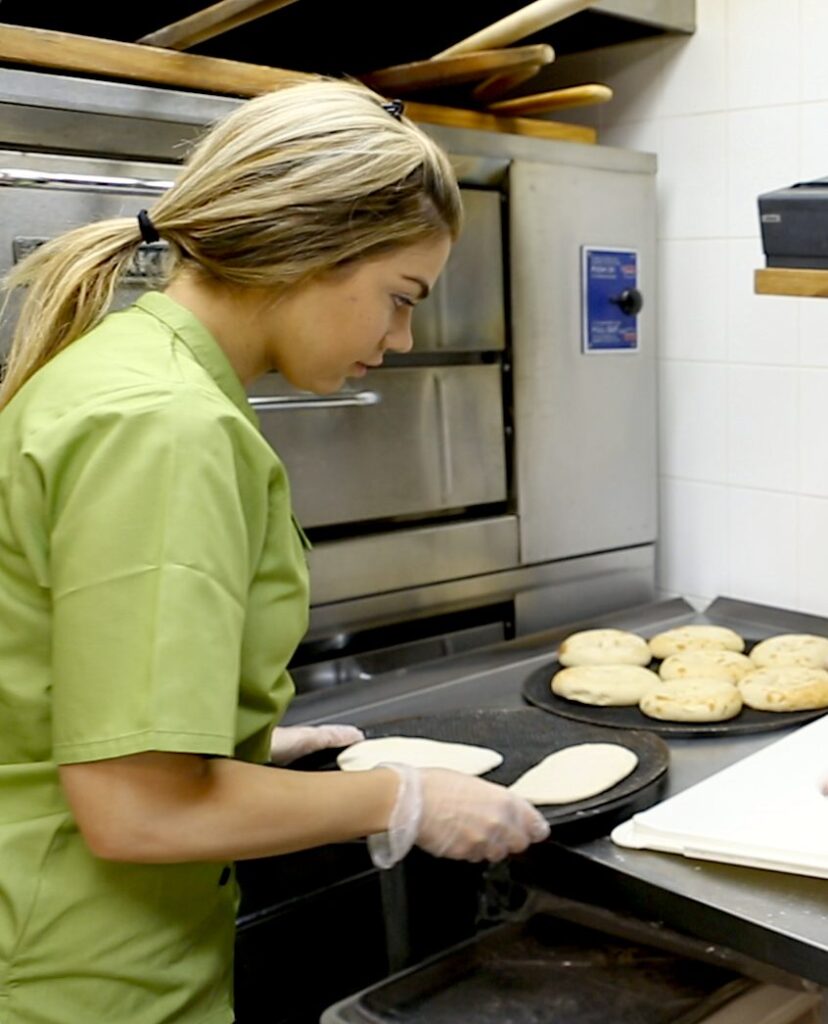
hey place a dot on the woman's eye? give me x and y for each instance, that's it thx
(401, 301)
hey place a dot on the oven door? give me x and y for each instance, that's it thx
(43, 195)
(412, 441)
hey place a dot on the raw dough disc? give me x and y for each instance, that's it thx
(421, 753)
(575, 773)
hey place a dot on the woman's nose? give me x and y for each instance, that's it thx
(400, 338)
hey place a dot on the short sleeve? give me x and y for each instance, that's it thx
(149, 569)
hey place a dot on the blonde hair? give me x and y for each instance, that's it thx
(290, 185)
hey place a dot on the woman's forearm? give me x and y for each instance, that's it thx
(168, 808)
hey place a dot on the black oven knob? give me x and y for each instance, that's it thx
(629, 301)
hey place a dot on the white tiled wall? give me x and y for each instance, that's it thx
(739, 108)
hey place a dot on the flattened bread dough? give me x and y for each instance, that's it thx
(421, 753)
(791, 649)
(725, 665)
(692, 700)
(695, 638)
(786, 688)
(575, 773)
(604, 685)
(604, 647)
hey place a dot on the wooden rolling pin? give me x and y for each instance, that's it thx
(522, 23)
(558, 99)
(469, 67)
(209, 22)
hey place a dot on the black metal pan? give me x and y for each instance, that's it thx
(537, 690)
(524, 736)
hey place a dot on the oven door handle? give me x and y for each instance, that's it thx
(15, 177)
(278, 403)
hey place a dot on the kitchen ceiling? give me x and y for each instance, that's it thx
(319, 35)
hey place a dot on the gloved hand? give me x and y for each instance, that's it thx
(457, 816)
(290, 742)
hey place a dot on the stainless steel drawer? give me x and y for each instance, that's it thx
(432, 440)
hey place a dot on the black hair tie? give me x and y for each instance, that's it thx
(395, 108)
(148, 231)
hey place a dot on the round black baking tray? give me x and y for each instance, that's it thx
(537, 690)
(525, 736)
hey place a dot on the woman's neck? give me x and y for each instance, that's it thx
(230, 315)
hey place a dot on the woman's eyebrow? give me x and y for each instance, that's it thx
(424, 288)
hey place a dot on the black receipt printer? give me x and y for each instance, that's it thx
(794, 224)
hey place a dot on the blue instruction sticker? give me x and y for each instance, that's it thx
(610, 299)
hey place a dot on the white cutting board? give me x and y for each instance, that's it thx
(765, 811)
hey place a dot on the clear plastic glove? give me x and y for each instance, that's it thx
(290, 742)
(457, 816)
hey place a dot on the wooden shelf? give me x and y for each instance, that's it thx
(107, 57)
(785, 281)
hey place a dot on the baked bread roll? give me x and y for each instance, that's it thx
(695, 638)
(692, 700)
(604, 685)
(725, 665)
(604, 647)
(786, 688)
(791, 649)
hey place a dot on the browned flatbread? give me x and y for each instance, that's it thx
(604, 647)
(695, 638)
(729, 666)
(692, 700)
(803, 649)
(604, 685)
(786, 688)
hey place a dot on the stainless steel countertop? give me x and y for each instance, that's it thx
(777, 918)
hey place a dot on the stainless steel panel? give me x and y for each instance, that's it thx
(74, 115)
(433, 442)
(544, 595)
(671, 15)
(466, 308)
(347, 669)
(73, 131)
(587, 586)
(585, 425)
(462, 143)
(29, 215)
(411, 558)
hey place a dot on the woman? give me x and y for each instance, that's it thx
(152, 580)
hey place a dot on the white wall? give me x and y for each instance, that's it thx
(739, 108)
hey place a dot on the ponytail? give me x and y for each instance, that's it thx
(70, 282)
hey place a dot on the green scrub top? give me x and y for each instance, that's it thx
(153, 587)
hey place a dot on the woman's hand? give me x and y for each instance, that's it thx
(290, 742)
(456, 816)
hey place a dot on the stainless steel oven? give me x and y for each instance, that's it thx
(498, 479)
